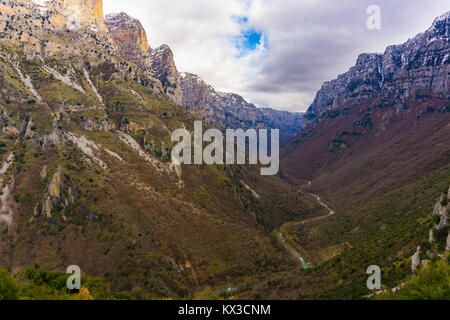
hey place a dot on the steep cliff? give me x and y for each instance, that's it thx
(130, 38)
(85, 14)
(163, 63)
(79, 25)
(403, 71)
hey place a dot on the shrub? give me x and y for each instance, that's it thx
(9, 289)
(431, 283)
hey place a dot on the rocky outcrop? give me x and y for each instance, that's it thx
(447, 247)
(416, 260)
(131, 127)
(420, 65)
(439, 237)
(441, 210)
(78, 14)
(57, 196)
(130, 38)
(100, 126)
(232, 111)
(71, 14)
(79, 23)
(361, 81)
(10, 130)
(131, 42)
(163, 63)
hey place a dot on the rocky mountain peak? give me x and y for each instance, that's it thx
(163, 62)
(85, 13)
(424, 60)
(441, 25)
(129, 36)
(74, 14)
(33, 24)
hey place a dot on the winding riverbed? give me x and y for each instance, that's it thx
(291, 249)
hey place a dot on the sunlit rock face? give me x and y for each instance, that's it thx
(78, 24)
(130, 37)
(75, 14)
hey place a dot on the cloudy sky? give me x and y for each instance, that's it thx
(275, 53)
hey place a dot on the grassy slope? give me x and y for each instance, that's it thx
(384, 231)
(381, 178)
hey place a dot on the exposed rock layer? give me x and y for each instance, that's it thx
(420, 65)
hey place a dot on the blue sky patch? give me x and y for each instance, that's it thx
(252, 39)
(249, 40)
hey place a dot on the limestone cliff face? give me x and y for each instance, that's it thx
(130, 37)
(232, 111)
(80, 26)
(420, 65)
(439, 233)
(80, 13)
(73, 14)
(57, 195)
(361, 81)
(163, 63)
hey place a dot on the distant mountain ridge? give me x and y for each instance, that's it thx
(227, 110)
(232, 111)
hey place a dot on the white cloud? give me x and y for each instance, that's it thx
(199, 32)
(309, 41)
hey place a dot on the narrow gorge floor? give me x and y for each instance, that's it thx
(283, 229)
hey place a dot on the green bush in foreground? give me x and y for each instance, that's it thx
(32, 284)
(432, 282)
(9, 289)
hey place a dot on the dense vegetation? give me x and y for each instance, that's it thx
(33, 284)
(432, 282)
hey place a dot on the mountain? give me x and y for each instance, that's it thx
(86, 115)
(419, 65)
(232, 111)
(382, 100)
(375, 150)
(129, 37)
(163, 63)
(87, 177)
(227, 110)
